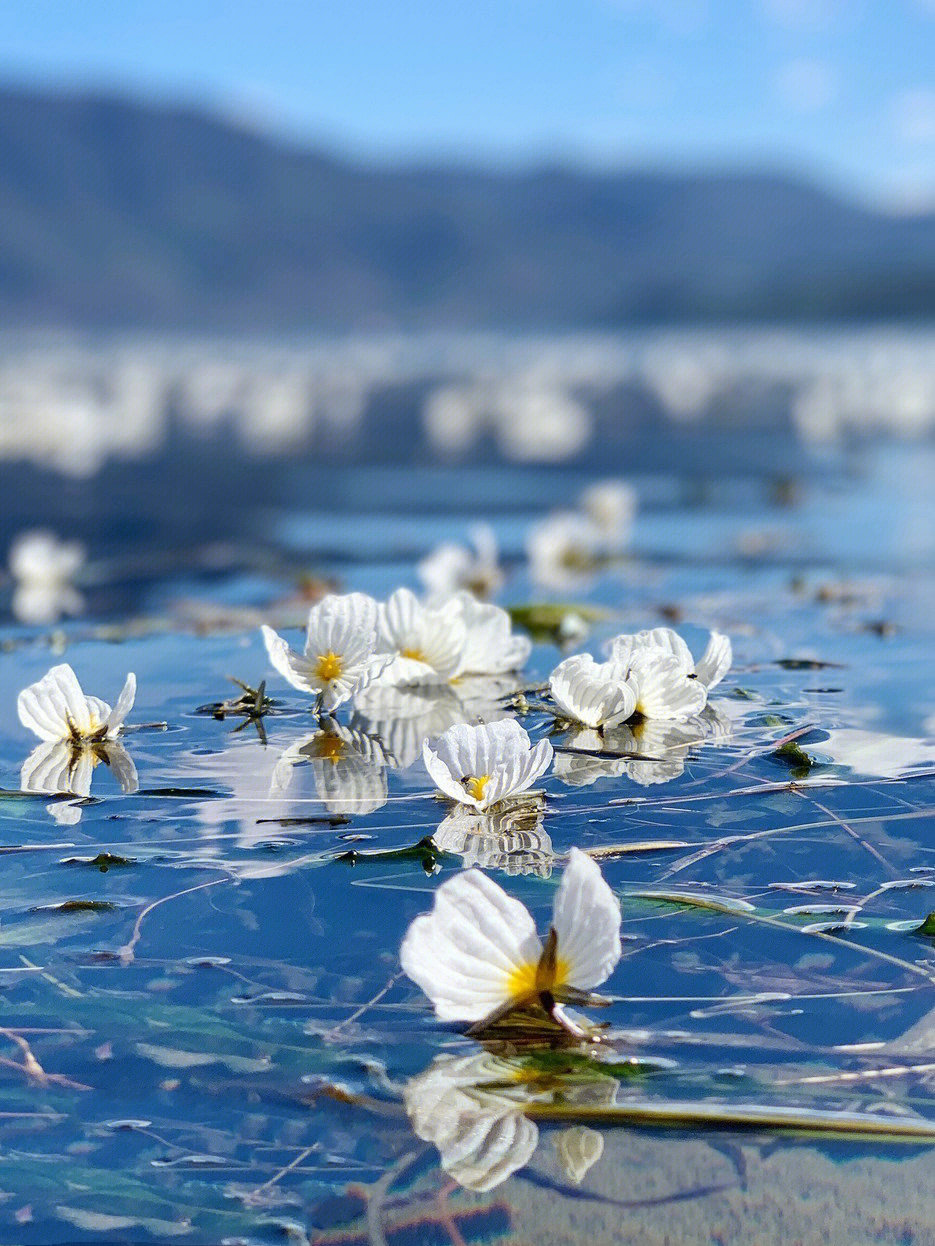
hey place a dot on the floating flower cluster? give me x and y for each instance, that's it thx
(439, 679)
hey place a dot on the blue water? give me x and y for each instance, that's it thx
(228, 1050)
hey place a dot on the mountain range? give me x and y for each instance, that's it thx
(122, 213)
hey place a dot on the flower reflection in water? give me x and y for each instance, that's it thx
(473, 1110)
(648, 750)
(510, 838)
(402, 718)
(65, 766)
(349, 768)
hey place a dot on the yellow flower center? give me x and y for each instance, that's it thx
(476, 786)
(535, 977)
(416, 654)
(329, 666)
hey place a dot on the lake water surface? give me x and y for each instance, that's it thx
(207, 971)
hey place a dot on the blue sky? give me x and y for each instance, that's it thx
(844, 89)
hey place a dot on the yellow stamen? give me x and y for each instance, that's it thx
(416, 654)
(329, 666)
(476, 786)
(531, 979)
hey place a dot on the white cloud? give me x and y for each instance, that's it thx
(913, 115)
(806, 85)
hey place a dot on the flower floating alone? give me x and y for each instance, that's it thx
(44, 568)
(77, 732)
(338, 660)
(483, 764)
(478, 958)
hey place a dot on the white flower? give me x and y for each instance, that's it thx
(450, 568)
(55, 708)
(490, 647)
(44, 568)
(471, 1109)
(596, 694)
(483, 763)
(477, 955)
(338, 660)
(426, 645)
(711, 667)
(563, 550)
(349, 768)
(511, 838)
(59, 766)
(663, 687)
(611, 506)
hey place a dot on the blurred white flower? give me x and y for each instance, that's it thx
(44, 568)
(471, 1109)
(596, 694)
(711, 667)
(511, 838)
(425, 645)
(491, 647)
(477, 956)
(349, 769)
(563, 550)
(63, 766)
(484, 763)
(338, 660)
(450, 568)
(611, 507)
(55, 708)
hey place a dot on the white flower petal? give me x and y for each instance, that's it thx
(586, 919)
(115, 719)
(590, 692)
(344, 624)
(663, 689)
(715, 661)
(294, 667)
(55, 707)
(491, 647)
(463, 953)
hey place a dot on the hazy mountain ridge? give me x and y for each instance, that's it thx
(114, 212)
